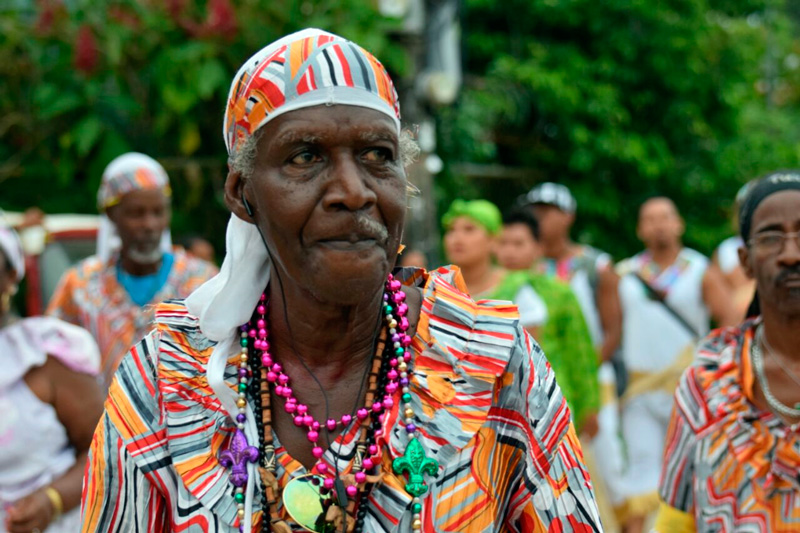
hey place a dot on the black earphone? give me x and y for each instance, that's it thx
(340, 488)
(247, 205)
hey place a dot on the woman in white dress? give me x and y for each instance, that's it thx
(49, 403)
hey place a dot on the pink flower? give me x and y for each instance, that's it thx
(50, 11)
(221, 17)
(86, 51)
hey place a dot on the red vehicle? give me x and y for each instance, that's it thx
(50, 249)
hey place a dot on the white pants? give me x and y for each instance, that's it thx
(644, 428)
(607, 447)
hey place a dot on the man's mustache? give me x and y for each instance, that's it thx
(786, 272)
(372, 227)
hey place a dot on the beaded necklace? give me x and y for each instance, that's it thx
(388, 373)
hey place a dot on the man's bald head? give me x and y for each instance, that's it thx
(660, 224)
(658, 204)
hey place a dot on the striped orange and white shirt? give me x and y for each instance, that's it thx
(729, 466)
(488, 410)
(90, 296)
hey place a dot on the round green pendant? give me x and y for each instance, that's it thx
(306, 505)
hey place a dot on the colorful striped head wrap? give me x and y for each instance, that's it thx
(127, 173)
(305, 69)
(482, 212)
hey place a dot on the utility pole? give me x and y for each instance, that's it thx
(431, 36)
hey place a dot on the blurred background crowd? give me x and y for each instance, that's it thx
(582, 159)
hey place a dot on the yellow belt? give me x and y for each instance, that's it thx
(663, 380)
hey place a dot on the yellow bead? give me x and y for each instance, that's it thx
(243, 357)
(241, 514)
(416, 525)
(409, 412)
(402, 367)
(393, 323)
(241, 402)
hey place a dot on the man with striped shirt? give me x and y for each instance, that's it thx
(733, 447)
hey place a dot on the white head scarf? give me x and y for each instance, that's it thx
(306, 69)
(127, 173)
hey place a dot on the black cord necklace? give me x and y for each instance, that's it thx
(259, 391)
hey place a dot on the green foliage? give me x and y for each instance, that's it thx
(86, 80)
(624, 99)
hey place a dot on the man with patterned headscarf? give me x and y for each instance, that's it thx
(110, 293)
(311, 385)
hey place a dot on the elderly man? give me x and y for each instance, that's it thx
(110, 294)
(307, 387)
(733, 447)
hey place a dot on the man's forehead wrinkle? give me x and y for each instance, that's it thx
(296, 134)
(775, 219)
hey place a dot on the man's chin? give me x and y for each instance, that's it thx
(347, 283)
(147, 257)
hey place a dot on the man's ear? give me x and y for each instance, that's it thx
(744, 261)
(235, 197)
(111, 213)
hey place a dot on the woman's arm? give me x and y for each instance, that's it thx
(610, 311)
(78, 403)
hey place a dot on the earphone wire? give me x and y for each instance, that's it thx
(376, 333)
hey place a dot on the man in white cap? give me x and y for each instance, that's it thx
(589, 271)
(110, 293)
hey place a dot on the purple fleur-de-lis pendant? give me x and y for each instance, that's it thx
(236, 457)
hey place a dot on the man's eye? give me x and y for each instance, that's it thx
(305, 158)
(378, 155)
(771, 240)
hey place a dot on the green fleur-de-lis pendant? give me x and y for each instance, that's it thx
(415, 463)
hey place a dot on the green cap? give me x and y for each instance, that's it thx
(482, 212)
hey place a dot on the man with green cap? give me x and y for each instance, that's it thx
(474, 232)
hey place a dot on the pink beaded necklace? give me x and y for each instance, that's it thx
(395, 312)
(281, 381)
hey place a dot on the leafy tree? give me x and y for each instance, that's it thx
(621, 100)
(87, 80)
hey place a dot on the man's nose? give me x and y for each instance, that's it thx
(348, 187)
(790, 252)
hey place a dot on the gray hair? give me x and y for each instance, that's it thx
(244, 159)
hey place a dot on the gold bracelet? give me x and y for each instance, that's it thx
(55, 500)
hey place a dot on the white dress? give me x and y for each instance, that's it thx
(34, 447)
